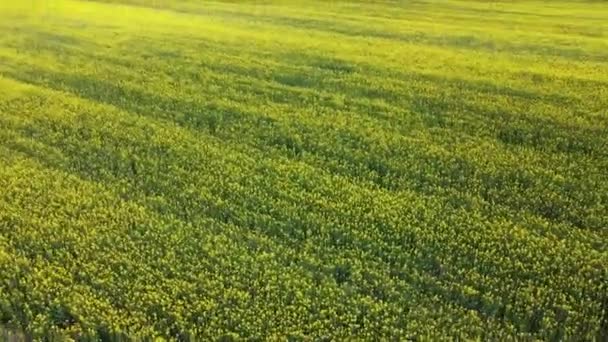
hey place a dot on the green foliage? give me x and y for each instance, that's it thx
(179, 170)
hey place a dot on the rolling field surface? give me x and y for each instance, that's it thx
(304, 170)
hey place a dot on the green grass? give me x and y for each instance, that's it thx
(305, 170)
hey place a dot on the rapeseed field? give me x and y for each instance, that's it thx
(420, 170)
